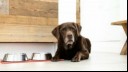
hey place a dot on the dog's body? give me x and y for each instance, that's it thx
(71, 45)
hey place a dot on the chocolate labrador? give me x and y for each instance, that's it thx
(71, 45)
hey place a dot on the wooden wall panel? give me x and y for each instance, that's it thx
(18, 29)
(28, 20)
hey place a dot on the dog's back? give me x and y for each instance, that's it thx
(87, 43)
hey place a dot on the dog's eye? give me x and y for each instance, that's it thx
(72, 29)
(64, 29)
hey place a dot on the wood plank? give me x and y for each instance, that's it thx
(26, 33)
(48, 0)
(122, 23)
(37, 8)
(47, 39)
(10, 19)
(119, 22)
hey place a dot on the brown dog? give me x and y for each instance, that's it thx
(71, 45)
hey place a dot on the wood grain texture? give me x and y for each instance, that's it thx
(48, 0)
(37, 8)
(119, 22)
(25, 29)
(124, 49)
(9, 19)
(78, 11)
(28, 20)
(123, 23)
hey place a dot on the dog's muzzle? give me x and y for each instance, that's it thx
(69, 40)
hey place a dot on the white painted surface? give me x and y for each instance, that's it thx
(97, 16)
(67, 11)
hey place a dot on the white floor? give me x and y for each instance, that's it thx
(105, 56)
(99, 61)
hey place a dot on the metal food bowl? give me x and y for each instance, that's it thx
(41, 56)
(15, 57)
(38, 56)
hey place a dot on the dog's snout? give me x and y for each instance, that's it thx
(70, 36)
(69, 39)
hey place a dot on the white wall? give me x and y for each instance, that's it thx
(97, 16)
(67, 11)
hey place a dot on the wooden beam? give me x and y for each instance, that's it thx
(119, 22)
(123, 23)
(124, 49)
(78, 11)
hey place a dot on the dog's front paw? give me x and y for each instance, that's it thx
(55, 59)
(76, 59)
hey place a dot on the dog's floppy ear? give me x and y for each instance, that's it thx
(78, 27)
(56, 32)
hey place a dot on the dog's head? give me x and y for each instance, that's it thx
(67, 33)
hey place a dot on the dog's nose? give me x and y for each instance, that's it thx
(70, 36)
